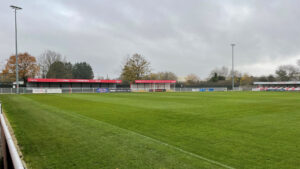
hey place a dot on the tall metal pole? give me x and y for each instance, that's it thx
(232, 46)
(17, 64)
(16, 41)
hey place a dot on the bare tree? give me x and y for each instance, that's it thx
(287, 72)
(223, 71)
(237, 74)
(192, 79)
(46, 59)
(218, 74)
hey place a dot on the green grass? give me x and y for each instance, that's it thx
(157, 130)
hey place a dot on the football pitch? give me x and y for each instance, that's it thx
(157, 130)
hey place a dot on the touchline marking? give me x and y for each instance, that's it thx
(76, 115)
(160, 142)
(179, 149)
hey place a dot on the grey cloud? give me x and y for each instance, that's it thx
(180, 36)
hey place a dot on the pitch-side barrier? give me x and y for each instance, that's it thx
(29, 90)
(106, 90)
(277, 89)
(209, 89)
(11, 157)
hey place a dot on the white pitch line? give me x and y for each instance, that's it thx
(163, 143)
(184, 151)
(150, 138)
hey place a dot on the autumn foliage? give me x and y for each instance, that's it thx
(27, 67)
(137, 67)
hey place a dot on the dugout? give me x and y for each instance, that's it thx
(71, 83)
(153, 85)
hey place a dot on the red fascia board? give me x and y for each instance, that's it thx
(73, 81)
(155, 81)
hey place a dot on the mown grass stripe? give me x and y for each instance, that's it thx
(162, 143)
(161, 130)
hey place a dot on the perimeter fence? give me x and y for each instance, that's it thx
(24, 90)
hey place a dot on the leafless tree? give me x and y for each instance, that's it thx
(46, 59)
(221, 72)
(291, 72)
(192, 79)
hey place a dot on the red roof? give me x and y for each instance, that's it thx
(73, 80)
(155, 81)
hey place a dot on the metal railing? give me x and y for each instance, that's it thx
(29, 90)
(11, 157)
(207, 89)
(62, 90)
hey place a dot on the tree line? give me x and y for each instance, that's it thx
(137, 67)
(50, 64)
(53, 65)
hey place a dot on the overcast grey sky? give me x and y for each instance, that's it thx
(181, 36)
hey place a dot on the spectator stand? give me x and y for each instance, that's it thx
(153, 86)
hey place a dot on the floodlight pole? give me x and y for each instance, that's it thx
(232, 47)
(16, 41)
